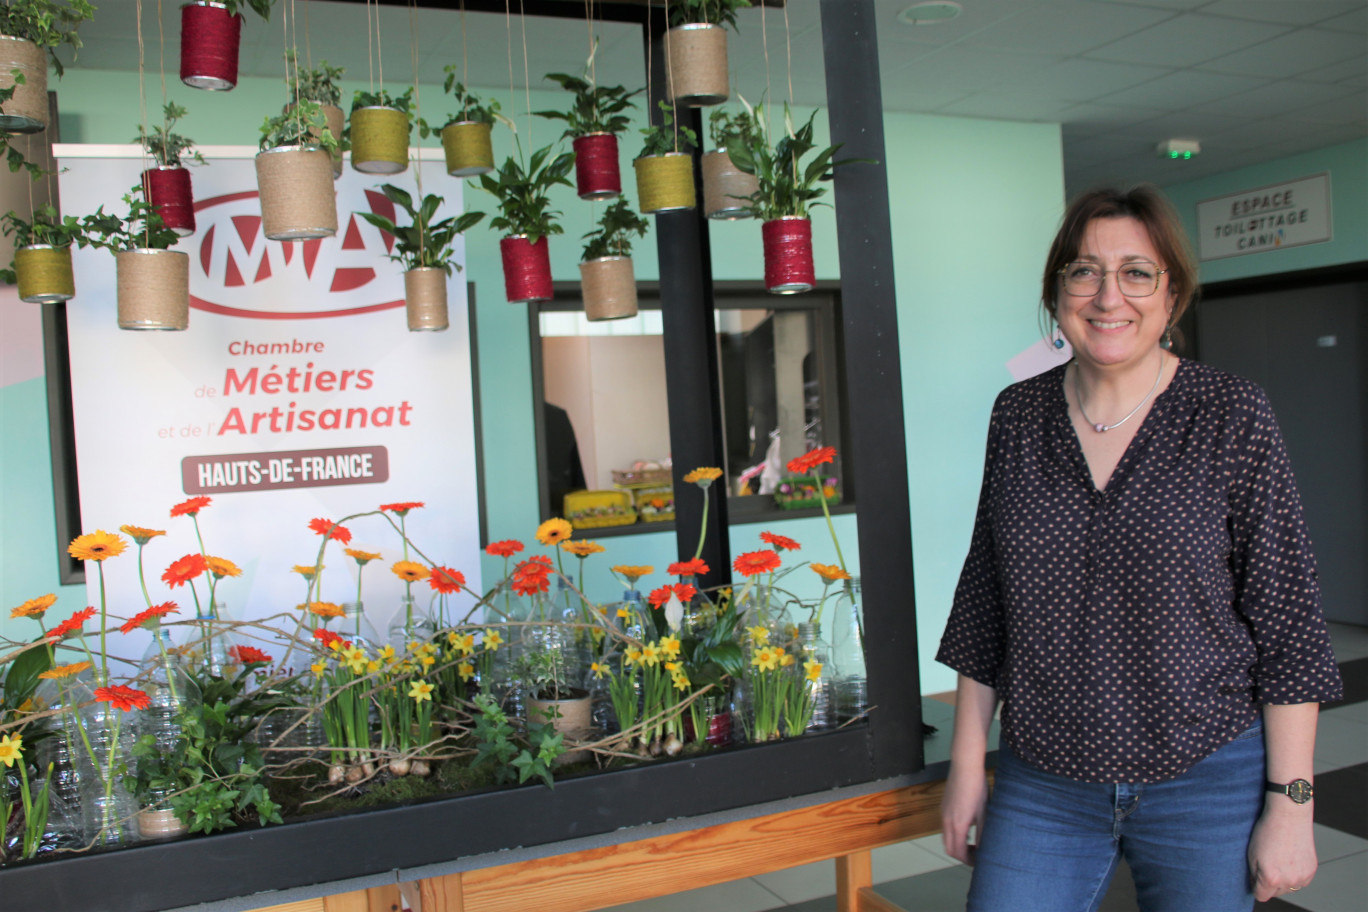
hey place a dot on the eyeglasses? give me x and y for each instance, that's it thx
(1136, 279)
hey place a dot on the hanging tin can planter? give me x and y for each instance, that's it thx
(379, 140)
(425, 299)
(597, 175)
(527, 269)
(788, 255)
(726, 188)
(336, 120)
(27, 110)
(44, 274)
(468, 147)
(153, 289)
(608, 286)
(210, 36)
(696, 64)
(169, 191)
(665, 182)
(297, 196)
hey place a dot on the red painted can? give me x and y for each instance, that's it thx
(788, 255)
(527, 270)
(596, 166)
(209, 46)
(169, 190)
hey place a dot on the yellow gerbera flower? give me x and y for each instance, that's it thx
(420, 691)
(65, 671)
(305, 571)
(361, 557)
(554, 531)
(97, 546)
(633, 572)
(326, 609)
(222, 566)
(139, 534)
(409, 571)
(813, 669)
(703, 476)
(35, 607)
(582, 548)
(11, 747)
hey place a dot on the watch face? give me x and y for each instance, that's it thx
(1299, 790)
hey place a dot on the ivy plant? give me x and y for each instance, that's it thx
(471, 108)
(613, 236)
(383, 99)
(169, 149)
(13, 157)
(301, 125)
(47, 23)
(320, 83)
(523, 193)
(422, 242)
(261, 7)
(46, 227)
(661, 138)
(142, 227)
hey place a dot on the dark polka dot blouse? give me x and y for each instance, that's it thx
(1130, 632)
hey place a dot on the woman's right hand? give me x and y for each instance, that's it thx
(962, 808)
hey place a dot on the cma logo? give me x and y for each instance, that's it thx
(236, 271)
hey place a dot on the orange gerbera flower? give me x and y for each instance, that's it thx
(554, 531)
(402, 508)
(139, 534)
(71, 625)
(582, 548)
(35, 607)
(191, 506)
(305, 570)
(695, 567)
(410, 571)
(780, 542)
(65, 671)
(361, 557)
(248, 655)
(151, 614)
(633, 572)
(121, 697)
(537, 563)
(810, 460)
(830, 572)
(184, 570)
(659, 597)
(506, 548)
(753, 562)
(331, 529)
(703, 476)
(221, 567)
(531, 583)
(445, 580)
(326, 609)
(327, 637)
(97, 546)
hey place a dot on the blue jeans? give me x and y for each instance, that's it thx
(1051, 844)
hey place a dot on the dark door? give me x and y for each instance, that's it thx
(1306, 346)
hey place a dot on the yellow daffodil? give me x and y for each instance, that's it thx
(420, 691)
(466, 671)
(765, 658)
(632, 656)
(759, 635)
(670, 645)
(599, 669)
(813, 669)
(681, 681)
(318, 668)
(785, 660)
(387, 655)
(11, 747)
(372, 666)
(650, 654)
(492, 640)
(623, 613)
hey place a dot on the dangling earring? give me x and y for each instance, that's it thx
(1167, 342)
(1058, 338)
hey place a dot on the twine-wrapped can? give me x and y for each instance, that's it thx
(379, 140)
(608, 286)
(153, 288)
(468, 147)
(665, 182)
(527, 269)
(168, 190)
(27, 110)
(696, 64)
(336, 120)
(597, 175)
(210, 36)
(298, 200)
(44, 273)
(726, 188)
(425, 299)
(788, 255)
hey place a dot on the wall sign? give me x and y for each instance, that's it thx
(1290, 214)
(297, 392)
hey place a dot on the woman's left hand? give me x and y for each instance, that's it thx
(1282, 849)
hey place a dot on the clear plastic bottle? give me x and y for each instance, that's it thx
(103, 744)
(848, 655)
(818, 680)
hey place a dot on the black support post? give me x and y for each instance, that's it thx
(874, 377)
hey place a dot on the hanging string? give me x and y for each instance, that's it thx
(161, 53)
(465, 62)
(669, 74)
(370, 47)
(308, 53)
(764, 43)
(650, 45)
(379, 48)
(292, 85)
(527, 78)
(417, 158)
(142, 113)
(788, 49)
(508, 32)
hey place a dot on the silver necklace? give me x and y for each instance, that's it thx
(1098, 426)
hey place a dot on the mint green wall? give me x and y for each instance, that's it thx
(974, 206)
(1348, 167)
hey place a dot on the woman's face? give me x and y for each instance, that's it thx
(1115, 326)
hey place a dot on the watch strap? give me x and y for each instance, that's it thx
(1299, 790)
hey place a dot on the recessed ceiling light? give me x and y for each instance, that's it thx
(930, 12)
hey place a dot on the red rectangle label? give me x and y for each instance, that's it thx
(287, 469)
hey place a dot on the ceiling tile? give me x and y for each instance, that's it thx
(1101, 117)
(1291, 54)
(1017, 105)
(1356, 21)
(1085, 80)
(975, 69)
(1187, 40)
(1338, 72)
(1300, 12)
(1277, 98)
(1184, 89)
(1346, 110)
(976, 16)
(1065, 27)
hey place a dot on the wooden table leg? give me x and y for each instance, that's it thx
(853, 871)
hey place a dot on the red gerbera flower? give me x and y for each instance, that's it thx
(402, 508)
(659, 597)
(531, 584)
(780, 542)
(538, 559)
(695, 567)
(156, 611)
(331, 529)
(445, 580)
(71, 625)
(326, 637)
(753, 562)
(506, 548)
(247, 655)
(801, 465)
(122, 697)
(191, 506)
(184, 570)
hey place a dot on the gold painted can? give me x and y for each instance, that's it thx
(665, 182)
(468, 147)
(45, 275)
(379, 140)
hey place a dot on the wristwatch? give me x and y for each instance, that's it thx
(1299, 790)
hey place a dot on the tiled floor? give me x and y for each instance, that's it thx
(921, 878)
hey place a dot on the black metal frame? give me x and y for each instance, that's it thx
(350, 845)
